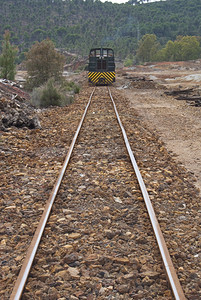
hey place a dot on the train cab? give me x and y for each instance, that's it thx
(101, 66)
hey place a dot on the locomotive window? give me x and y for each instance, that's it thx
(92, 53)
(97, 52)
(110, 53)
(104, 52)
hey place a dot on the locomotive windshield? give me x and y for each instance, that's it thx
(105, 52)
(101, 52)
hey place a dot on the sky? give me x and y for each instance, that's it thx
(124, 1)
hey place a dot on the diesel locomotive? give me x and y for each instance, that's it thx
(101, 66)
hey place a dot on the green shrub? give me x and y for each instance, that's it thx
(50, 95)
(36, 96)
(54, 93)
(70, 86)
(128, 62)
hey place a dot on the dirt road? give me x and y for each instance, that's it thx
(176, 122)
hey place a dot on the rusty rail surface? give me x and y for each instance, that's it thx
(170, 270)
(26, 266)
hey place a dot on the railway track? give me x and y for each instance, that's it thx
(98, 241)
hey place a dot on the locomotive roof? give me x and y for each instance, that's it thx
(98, 48)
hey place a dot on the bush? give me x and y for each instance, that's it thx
(54, 94)
(50, 95)
(128, 62)
(71, 86)
(36, 96)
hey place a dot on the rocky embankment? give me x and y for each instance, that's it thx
(15, 108)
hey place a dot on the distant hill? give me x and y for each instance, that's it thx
(78, 25)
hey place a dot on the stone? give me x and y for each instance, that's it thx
(68, 246)
(74, 235)
(74, 272)
(70, 258)
(121, 260)
(64, 274)
(147, 281)
(123, 288)
(109, 234)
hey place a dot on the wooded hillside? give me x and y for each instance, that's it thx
(78, 25)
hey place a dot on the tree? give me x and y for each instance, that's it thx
(168, 53)
(148, 47)
(184, 48)
(43, 62)
(190, 48)
(7, 58)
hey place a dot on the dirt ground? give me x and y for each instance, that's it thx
(176, 122)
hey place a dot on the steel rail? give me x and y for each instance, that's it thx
(170, 270)
(26, 266)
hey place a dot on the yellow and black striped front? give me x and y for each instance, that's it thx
(101, 77)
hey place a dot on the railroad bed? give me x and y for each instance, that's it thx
(98, 243)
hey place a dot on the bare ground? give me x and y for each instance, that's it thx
(176, 122)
